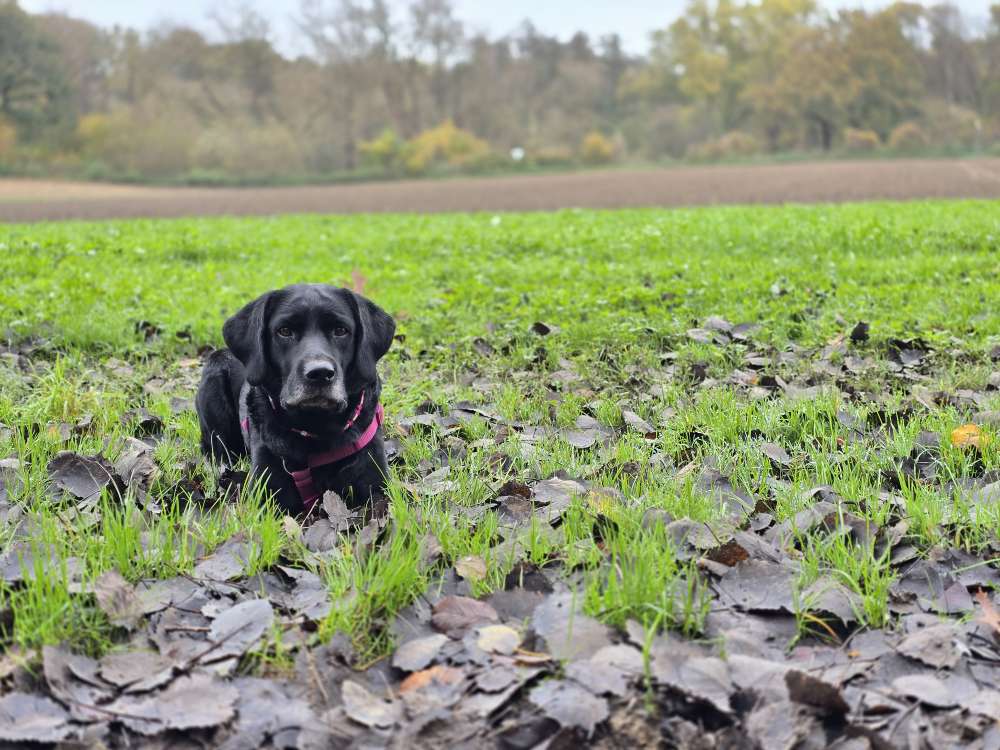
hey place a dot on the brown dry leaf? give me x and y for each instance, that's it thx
(454, 615)
(531, 658)
(117, 599)
(987, 613)
(471, 568)
(358, 281)
(439, 673)
(969, 436)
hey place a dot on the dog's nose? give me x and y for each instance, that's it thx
(320, 372)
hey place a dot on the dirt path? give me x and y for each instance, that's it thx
(31, 200)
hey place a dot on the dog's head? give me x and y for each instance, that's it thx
(313, 346)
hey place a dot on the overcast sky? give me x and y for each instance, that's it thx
(632, 19)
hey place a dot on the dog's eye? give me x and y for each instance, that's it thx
(285, 332)
(340, 331)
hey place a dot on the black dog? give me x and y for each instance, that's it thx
(297, 390)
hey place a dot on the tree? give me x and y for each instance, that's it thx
(33, 90)
(438, 33)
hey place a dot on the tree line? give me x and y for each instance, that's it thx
(379, 91)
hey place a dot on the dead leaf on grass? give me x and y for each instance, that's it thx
(117, 599)
(454, 615)
(471, 568)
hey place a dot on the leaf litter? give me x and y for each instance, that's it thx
(527, 663)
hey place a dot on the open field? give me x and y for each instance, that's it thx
(29, 200)
(719, 477)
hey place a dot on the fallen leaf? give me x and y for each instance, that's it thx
(365, 708)
(226, 562)
(498, 639)
(969, 436)
(417, 654)
(239, 628)
(925, 688)
(570, 704)
(32, 718)
(988, 614)
(454, 615)
(117, 599)
(934, 646)
(568, 633)
(82, 477)
(440, 673)
(471, 568)
(192, 701)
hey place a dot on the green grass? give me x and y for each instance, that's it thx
(622, 287)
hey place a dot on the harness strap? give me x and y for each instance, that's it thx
(304, 479)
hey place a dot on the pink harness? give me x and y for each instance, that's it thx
(304, 479)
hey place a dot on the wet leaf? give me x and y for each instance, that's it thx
(82, 477)
(758, 586)
(454, 615)
(136, 671)
(568, 633)
(926, 688)
(240, 628)
(934, 646)
(365, 708)
(570, 704)
(32, 718)
(117, 599)
(417, 654)
(193, 701)
(226, 562)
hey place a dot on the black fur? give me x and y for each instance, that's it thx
(305, 354)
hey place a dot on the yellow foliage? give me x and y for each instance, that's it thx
(382, 151)
(733, 143)
(445, 143)
(597, 149)
(861, 141)
(8, 138)
(907, 137)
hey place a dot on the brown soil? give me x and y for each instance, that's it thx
(32, 200)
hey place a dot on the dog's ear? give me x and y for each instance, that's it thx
(247, 337)
(373, 337)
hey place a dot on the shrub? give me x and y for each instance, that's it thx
(597, 149)
(8, 139)
(553, 156)
(732, 144)
(858, 141)
(446, 144)
(907, 137)
(952, 126)
(247, 151)
(382, 152)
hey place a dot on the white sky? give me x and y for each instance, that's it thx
(632, 19)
